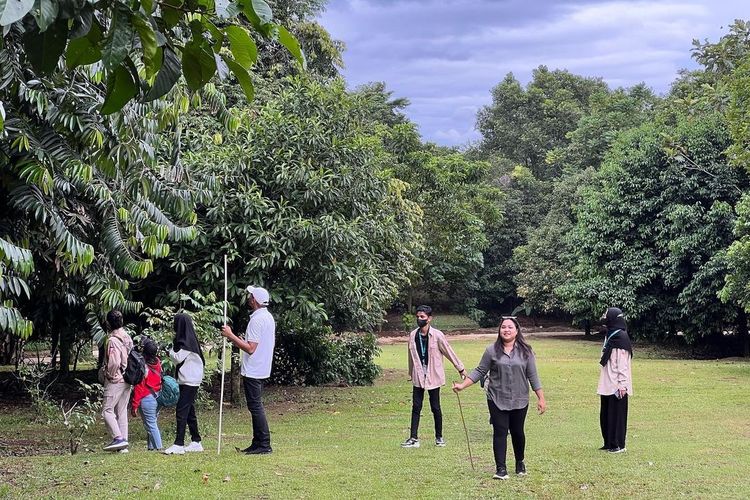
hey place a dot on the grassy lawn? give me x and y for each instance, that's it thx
(689, 435)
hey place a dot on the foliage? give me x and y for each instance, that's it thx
(142, 49)
(80, 416)
(651, 232)
(37, 379)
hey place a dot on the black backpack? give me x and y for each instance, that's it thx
(135, 372)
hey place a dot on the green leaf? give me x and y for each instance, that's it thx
(167, 76)
(148, 6)
(226, 9)
(243, 47)
(292, 45)
(198, 65)
(121, 88)
(216, 34)
(45, 13)
(44, 49)
(119, 39)
(148, 44)
(85, 50)
(262, 10)
(82, 24)
(171, 13)
(242, 76)
(14, 10)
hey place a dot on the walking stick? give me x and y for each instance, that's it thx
(468, 445)
(223, 353)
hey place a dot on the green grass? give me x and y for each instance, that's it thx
(689, 435)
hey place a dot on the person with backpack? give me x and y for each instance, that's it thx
(188, 358)
(615, 381)
(511, 366)
(116, 390)
(426, 348)
(145, 394)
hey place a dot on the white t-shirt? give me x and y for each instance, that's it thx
(261, 329)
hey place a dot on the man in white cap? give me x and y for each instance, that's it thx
(257, 356)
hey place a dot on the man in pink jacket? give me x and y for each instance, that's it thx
(116, 390)
(427, 346)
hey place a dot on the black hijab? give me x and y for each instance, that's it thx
(617, 334)
(184, 337)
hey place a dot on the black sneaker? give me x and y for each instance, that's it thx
(259, 451)
(244, 450)
(604, 448)
(502, 473)
(410, 443)
(520, 468)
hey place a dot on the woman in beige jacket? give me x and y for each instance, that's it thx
(427, 346)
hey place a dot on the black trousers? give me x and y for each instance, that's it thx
(253, 393)
(503, 421)
(613, 420)
(186, 415)
(417, 398)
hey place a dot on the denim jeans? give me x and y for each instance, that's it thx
(253, 392)
(149, 414)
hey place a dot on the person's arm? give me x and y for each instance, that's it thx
(113, 358)
(476, 375)
(536, 384)
(408, 355)
(248, 347)
(449, 353)
(619, 359)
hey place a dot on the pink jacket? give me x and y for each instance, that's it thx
(116, 353)
(437, 347)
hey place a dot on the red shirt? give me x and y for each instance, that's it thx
(151, 380)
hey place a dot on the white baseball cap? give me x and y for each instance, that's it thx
(260, 294)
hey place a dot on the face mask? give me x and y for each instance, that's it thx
(421, 323)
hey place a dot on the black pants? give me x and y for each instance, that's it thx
(253, 393)
(186, 415)
(502, 422)
(613, 420)
(417, 398)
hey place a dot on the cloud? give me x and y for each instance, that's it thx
(446, 55)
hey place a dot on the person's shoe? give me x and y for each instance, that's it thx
(245, 450)
(502, 473)
(124, 450)
(175, 449)
(194, 446)
(604, 448)
(618, 450)
(259, 451)
(410, 443)
(116, 445)
(521, 468)
(439, 442)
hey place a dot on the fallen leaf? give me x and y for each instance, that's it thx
(278, 473)
(227, 479)
(205, 478)
(157, 486)
(584, 486)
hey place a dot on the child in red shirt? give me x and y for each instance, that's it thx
(145, 393)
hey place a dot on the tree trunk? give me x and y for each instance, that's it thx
(409, 300)
(236, 378)
(587, 327)
(742, 331)
(53, 348)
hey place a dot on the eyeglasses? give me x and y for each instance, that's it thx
(509, 317)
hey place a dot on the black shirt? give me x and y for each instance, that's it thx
(422, 343)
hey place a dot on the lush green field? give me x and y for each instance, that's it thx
(689, 435)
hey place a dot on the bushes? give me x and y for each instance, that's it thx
(322, 357)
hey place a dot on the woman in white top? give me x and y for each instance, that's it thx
(188, 358)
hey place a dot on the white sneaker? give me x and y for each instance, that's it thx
(410, 443)
(193, 447)
(124, 450)
(175, 450)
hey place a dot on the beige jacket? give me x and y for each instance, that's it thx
(119, 345)
(437, 347)
(616, 374)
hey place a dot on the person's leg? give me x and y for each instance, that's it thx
(254, 396)
(417, 398)
(148, 415)
(516, 421)
(192, 419)
(121, 409)
(620, 421)
(437, 413)
(500, 424)
(184, 402)
(108, 410)
(612, 421)
(603, 419)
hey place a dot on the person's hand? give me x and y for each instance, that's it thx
(463, 374)
(226, 331)
(541, 406)
(622, 392)
(133, 412)
(457, 387)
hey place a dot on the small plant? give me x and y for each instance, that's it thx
(81, 415)
(36, 379)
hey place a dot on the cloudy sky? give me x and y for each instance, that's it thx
(446, 55)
